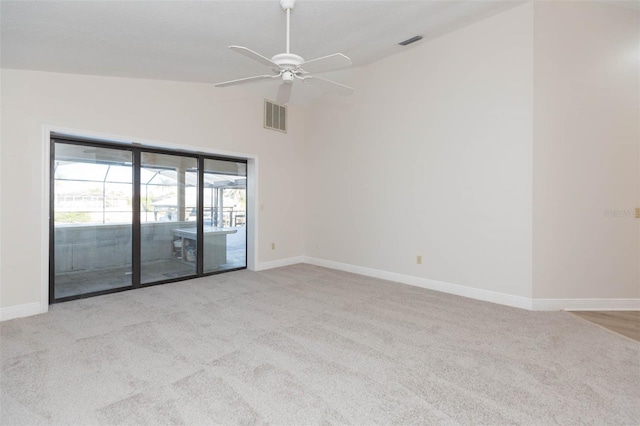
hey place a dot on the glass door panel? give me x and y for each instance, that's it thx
(225, 212)
(168, 219)
(98, 246)
(92, 197)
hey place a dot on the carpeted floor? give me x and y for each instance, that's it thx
(307, 345)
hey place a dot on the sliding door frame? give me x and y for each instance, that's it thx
(137, 149)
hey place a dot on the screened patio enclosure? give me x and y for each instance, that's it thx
(130, 216)
(166, 195)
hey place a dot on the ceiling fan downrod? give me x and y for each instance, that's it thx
(288, 61)
(288, 5)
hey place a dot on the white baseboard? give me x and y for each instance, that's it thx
(35, 308)
(459, 290)
(486, 295)
(20, 311)
(586, 304)
(263, 266)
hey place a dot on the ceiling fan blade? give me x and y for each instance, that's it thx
(329, 85)
(326, 63)
(245, 80)
(255, 56)
(284, 93)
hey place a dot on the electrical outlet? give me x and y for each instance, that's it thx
(261, 207)
(273, 246)
(637, 212)
(419, 260)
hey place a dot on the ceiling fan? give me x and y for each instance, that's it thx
(287, 67)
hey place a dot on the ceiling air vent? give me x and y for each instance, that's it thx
(275, 116)
(410, 40)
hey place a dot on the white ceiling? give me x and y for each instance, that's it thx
(187, 40)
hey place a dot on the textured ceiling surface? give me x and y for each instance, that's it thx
(188, 40)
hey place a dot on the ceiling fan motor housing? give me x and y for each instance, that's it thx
(287, 60)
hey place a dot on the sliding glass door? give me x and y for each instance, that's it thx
(126, 217)
(169, 233)
(225, 213)
(92, 220)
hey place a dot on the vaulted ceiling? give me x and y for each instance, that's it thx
(188, 40)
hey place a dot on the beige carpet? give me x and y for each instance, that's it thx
(307, 345)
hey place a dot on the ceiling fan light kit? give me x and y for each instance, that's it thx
(287, 67)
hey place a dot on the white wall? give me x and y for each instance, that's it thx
(181, 114)
(432, 157)
(586, 151)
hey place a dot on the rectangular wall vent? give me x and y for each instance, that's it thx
(275, 116)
